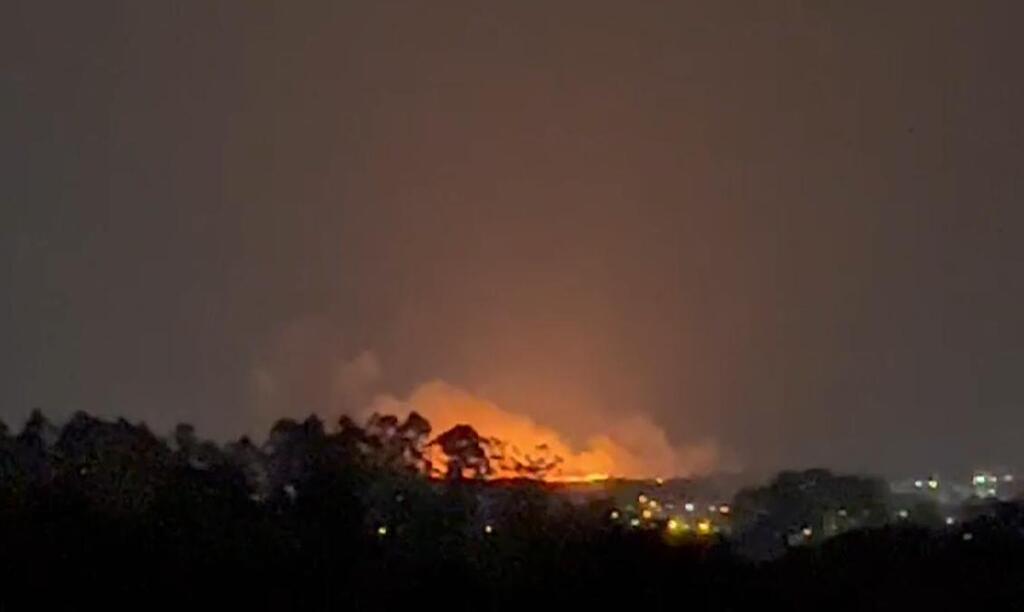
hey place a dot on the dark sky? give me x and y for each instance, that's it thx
(793, 228)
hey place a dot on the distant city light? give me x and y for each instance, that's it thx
(933, 484)
(647, 514)
(382, 530)
(634, 522)
(614, 515)
(642, 499)
(919, 484)
(673, 525)
(688, 506)
(659, 481)
(903, 513)
(704, 526)
(950, 520)
(488, 529)
(841, 512)
(807, 531)
(724, 509)
(968, 536)
(1008, 478)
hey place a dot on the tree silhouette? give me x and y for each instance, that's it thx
(465, 453)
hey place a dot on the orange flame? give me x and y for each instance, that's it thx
(523, 448)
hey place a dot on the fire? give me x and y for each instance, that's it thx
(521, 447)
(587, 478)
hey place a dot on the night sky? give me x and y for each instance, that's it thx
(789, 229)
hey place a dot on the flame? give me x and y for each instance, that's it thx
(586, 478)
(522, 447)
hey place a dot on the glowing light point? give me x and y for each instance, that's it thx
(933, 484)
(634, 522)
(614, 515)
(647, 514)
(382, 530)
(918, 484)
(903, 514)
(659, 481)
(950, 520)
(724, 509)
(642, 499)
(807, 531)
(704, 527)
(488, 529)
(688, 506)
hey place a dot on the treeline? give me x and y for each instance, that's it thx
(107, 514)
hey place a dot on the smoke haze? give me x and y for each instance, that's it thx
(780, 227)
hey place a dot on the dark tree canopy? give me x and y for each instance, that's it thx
(465, 451)
(318, 517)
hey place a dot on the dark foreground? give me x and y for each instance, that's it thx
(106, 516)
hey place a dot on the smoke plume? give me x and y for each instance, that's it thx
(307, 367)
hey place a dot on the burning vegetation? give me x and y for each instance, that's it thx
(493, 442)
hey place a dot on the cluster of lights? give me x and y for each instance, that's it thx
(673, 526)
(704, 526)
(701, 527)
(986, 483)
(651, 513)
(983, 478)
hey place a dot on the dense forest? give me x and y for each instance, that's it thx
(106, 514)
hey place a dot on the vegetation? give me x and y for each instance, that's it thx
(107, 514)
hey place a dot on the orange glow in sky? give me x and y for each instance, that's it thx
(522, 447)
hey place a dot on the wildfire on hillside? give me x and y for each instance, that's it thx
(515, 446)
